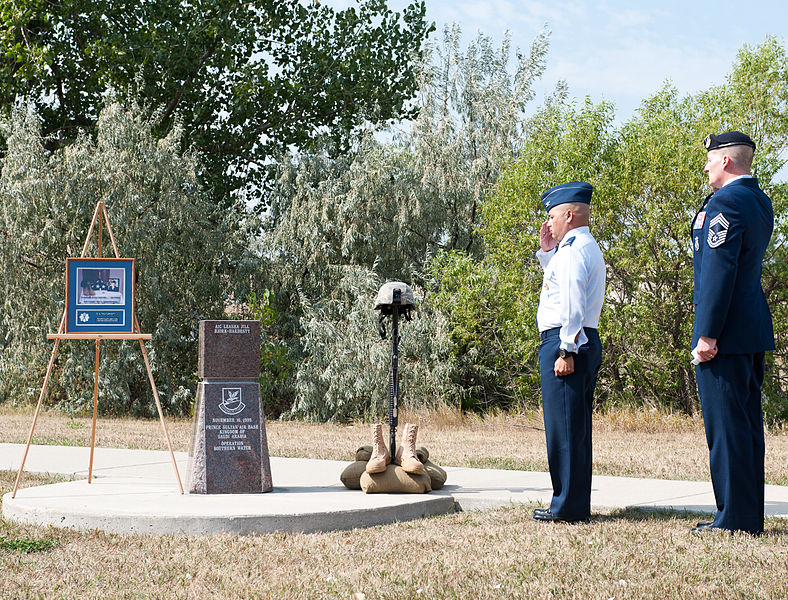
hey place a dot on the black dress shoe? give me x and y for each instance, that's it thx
(704, 527)
(544, 514)
(704, 523)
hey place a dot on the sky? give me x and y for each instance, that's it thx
(615, 50)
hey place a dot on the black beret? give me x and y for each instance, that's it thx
(729, 138)
(574, 191)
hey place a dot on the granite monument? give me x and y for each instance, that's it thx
(229, 450)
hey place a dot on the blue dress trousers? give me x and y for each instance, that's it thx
(567, 403)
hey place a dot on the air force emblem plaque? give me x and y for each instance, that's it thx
(232, 401)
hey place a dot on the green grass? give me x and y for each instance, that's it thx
(25, 544)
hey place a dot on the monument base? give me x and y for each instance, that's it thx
(229, 450)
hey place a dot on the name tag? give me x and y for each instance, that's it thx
(699, 220)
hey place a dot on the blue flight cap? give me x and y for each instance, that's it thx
(729, 138)
(574, 191)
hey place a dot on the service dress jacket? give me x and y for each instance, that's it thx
(730, 234)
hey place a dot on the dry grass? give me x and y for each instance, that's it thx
(489, 554)
(626, 443)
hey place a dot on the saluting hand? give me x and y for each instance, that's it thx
(546, 239)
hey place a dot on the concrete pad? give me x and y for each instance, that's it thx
(73, 461)
(135, 491)
(475, 489)
(120, 505)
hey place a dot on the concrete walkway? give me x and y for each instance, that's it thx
(135, 491)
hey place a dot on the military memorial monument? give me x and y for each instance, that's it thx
(229, 450)
(396, 469)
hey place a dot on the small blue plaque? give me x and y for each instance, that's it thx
(99, 295)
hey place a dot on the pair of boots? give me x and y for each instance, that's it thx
(405, 455)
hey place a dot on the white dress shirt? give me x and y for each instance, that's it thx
(573, 287)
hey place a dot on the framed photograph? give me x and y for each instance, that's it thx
(99, 295)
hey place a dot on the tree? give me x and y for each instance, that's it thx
(395, 204)
(244, 80)
(492, 301)
(757, 95)
(648, 181)
(653, 188)
(191, 258)
(344, 371)
(391, 206)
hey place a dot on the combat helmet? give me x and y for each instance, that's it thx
(394, 294)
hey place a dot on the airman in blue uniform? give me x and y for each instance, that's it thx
(570, 352)
(732, 330)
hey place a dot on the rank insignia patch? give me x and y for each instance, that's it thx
(718, 231)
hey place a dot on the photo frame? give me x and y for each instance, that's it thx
(99, 295)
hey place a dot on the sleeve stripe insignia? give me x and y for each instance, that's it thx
(718, 231)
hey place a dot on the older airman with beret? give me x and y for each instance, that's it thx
(732, 330)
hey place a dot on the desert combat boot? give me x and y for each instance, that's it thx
(406, 452)
(380, 454)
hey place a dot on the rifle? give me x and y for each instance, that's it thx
(393, 298)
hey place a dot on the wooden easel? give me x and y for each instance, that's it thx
(99, 214)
